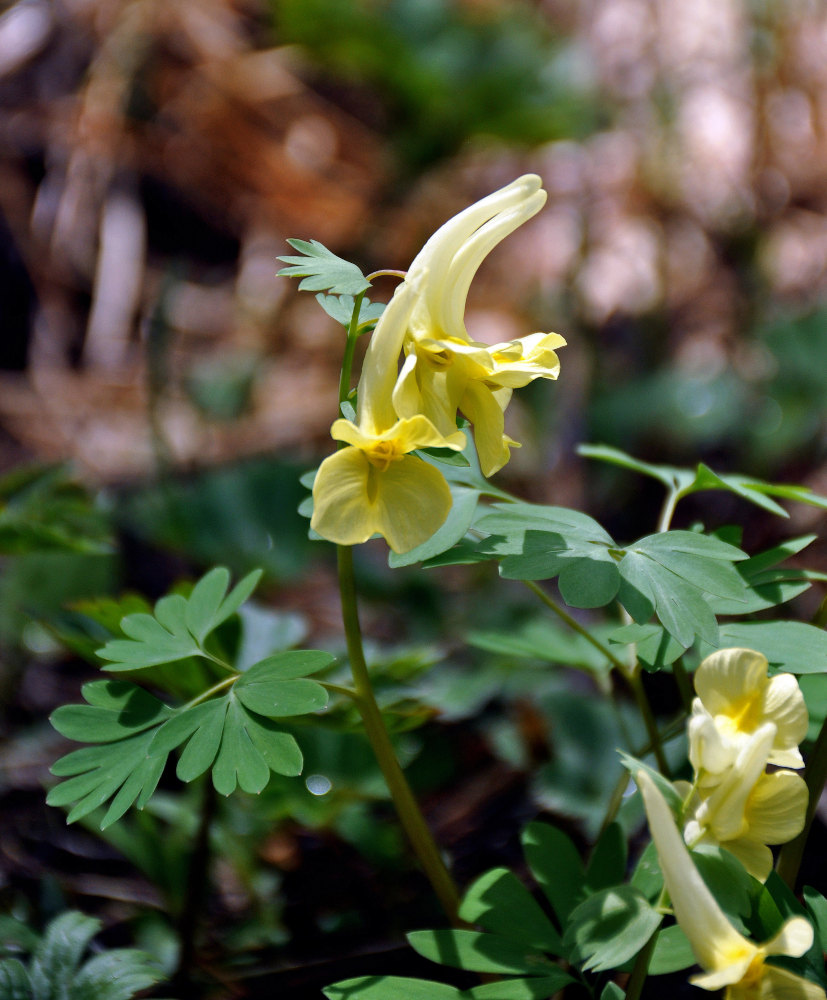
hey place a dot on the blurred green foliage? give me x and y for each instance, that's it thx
(447, 72)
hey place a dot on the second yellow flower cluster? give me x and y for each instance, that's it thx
(742, 720)
(375, 484)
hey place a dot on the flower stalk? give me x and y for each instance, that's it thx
(408, 811)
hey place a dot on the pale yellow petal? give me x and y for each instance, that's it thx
(353, 500)
(422, 388)
(708, 749)
(728, 676)
(776, 807)
(438, 253)
(725, 975)
(794, 938)
(722, 810)
(380, 367)
(342, 510)
(783, 703)
(412, 502)
(781, 984)
(518, 362)
(715, 942)
(755, 856)
(407, 435)
(483, 409)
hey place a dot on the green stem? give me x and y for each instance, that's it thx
(815, 775)
(684, 684)
(350, 347)
(227, 682)
(668, 509)
(631, 674)
(575, 625)
(406, 806)
(640, 970)
(648, 716)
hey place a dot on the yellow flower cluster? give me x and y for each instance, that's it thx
(741, 721)
(375, 484)
(729, 959)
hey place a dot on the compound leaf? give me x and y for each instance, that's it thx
(321, 270)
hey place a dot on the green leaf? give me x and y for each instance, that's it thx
(115, 709)
(607, 865)
(250, 748)
(537, 542)
(611, 991)
(321, 270)
(390, 988)
(610, 927)
(685, 481)
(665, 787)
(672, 953)
(534, 988)
(179, 626)
(477, 952)
(647, 587)
(591, 581)
(340, 308)
(556, 867)
(500, 903)
(752, 490)
(541, 639)
(14, 981)
(59, 952)
(728, 880)
(654, 646)
(793, 647)
(270, 687)
(647, 876)
(205, 600)
(666, 474)
(238, 761)
(53, 972)
(816, 906)
(106, 769)
(115, 975)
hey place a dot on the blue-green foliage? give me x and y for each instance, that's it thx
(56, 970)
(230, 727)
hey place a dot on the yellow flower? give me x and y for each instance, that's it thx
(748, 809)
(442, 376)
(735, 698)
(445, 370)
(728, 958)
(375, 486)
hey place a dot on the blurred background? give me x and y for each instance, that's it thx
(161, 390)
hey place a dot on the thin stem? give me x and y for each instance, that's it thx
(406, 806)
(648, 716)
(350, 347)
(640, 970)
(574, 624)
(340, 689)
(631, 674)
(815, 775)
(219, 662)
(668, 508)
(683, 683)
(386, 271)
(227, 682)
